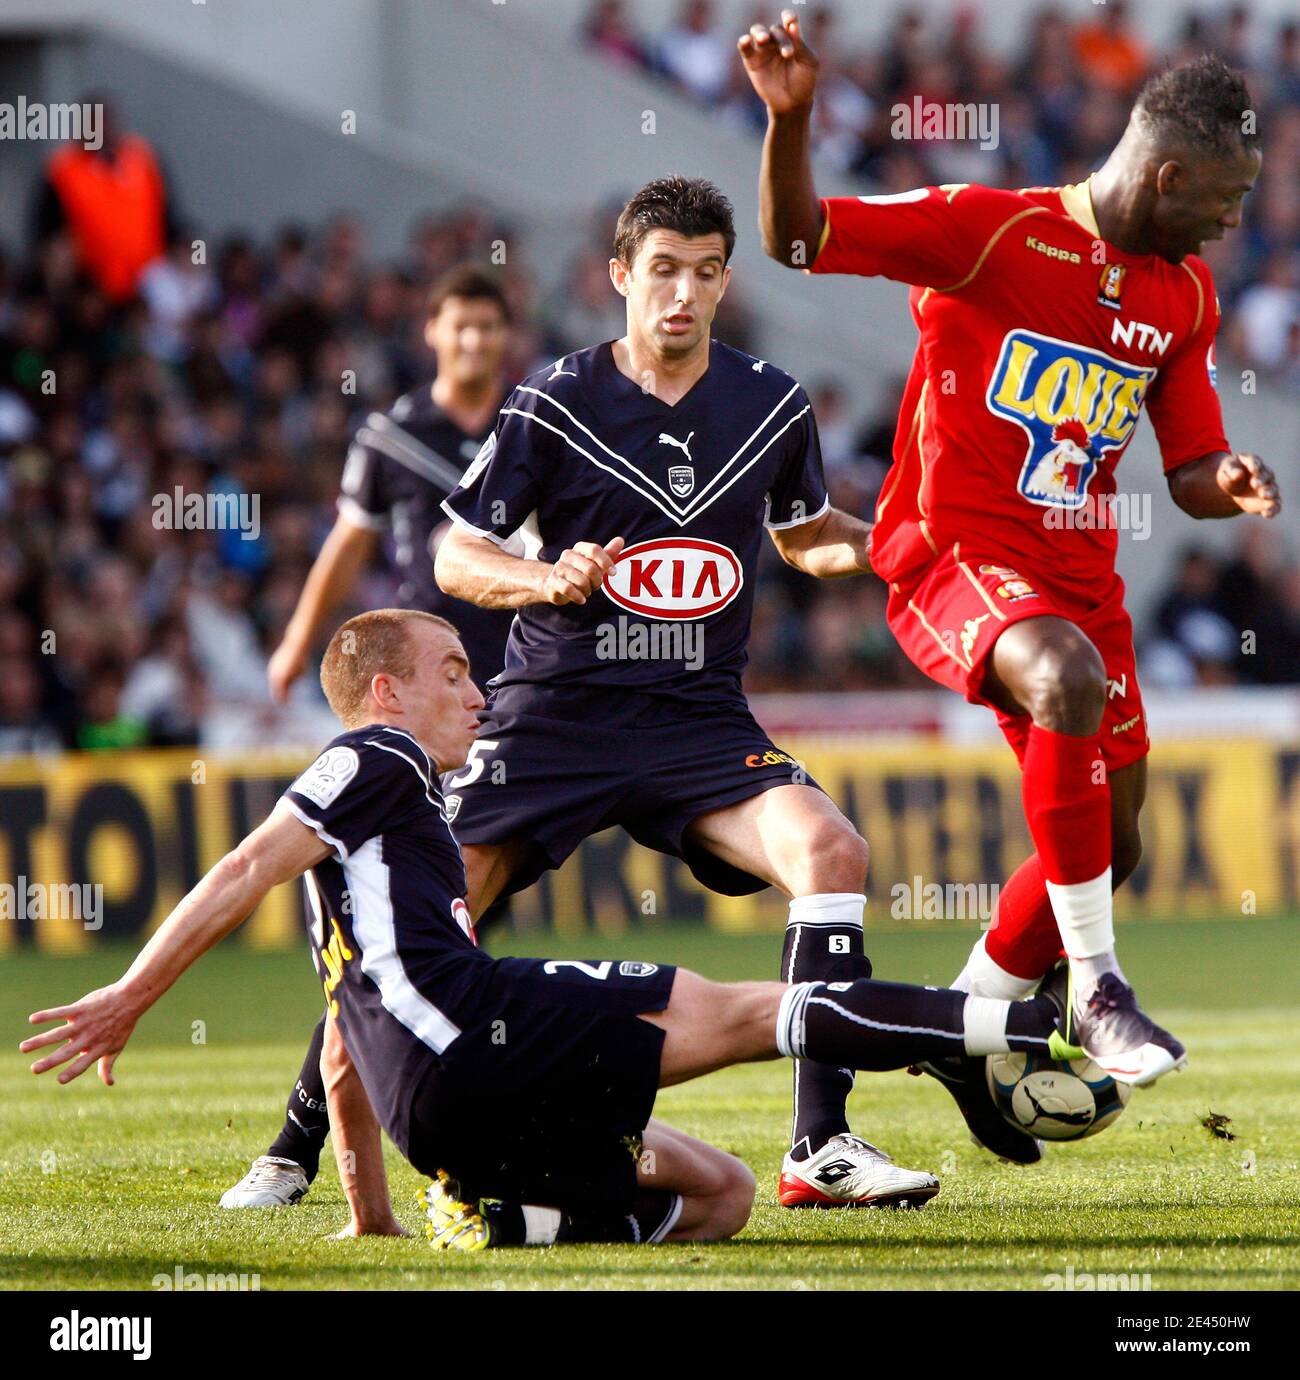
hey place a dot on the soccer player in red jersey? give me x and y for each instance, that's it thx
(1048, 318)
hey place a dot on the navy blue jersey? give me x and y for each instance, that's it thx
(390, 931)
(583, 453)
(400, 467)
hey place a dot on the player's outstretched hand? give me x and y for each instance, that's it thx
(97, 1027)
(782, 68)
(1251, 485)
(580, 571)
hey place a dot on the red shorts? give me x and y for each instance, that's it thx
(949, 620)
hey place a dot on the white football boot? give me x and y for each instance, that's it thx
(849, 1172)
(270, 1182)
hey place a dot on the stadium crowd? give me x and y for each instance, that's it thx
(245, 374)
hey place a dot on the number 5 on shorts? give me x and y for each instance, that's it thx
(475, 763)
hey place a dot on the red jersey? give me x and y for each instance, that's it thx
(1040, 344)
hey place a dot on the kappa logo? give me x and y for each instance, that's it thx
(970, 632)
(675, 577)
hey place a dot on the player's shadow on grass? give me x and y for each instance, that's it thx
(970, 1242)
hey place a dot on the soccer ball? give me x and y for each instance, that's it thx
(1054, 1100)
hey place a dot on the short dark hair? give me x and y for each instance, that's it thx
(470, 283)
(1202, 103)
(690, 205)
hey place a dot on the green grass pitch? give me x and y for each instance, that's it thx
(107, 1188)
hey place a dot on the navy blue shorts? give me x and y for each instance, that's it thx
(544, 1099)
(556, 781)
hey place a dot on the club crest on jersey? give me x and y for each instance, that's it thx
(681, 478)
(675, 577)
(1073, 403)
(1110, 285)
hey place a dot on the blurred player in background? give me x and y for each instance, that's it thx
(401, 466)
(1047, 317)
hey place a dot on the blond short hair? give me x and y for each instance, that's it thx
(362, 648)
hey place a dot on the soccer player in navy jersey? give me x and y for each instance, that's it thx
(400, 466)
(643, 476)
(526, 1081)
(637, 479)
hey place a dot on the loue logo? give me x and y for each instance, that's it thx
(1074, 405)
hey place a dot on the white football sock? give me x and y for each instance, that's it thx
(984, 977)
(828, 908)
(1085, 917)
(984, 1022)
(541, 1225)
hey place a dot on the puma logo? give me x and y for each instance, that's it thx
(684, 446)
(561, 371)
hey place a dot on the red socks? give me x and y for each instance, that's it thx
(1066, 795)
(1067, 804)
(1024, 939)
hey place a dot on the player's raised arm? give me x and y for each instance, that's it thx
(332, 576)
(97, 1027)
(783, 70)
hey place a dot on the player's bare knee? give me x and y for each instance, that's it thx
(838, 858)
(730, 1198)
(737, 1200)
(1064, 685)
